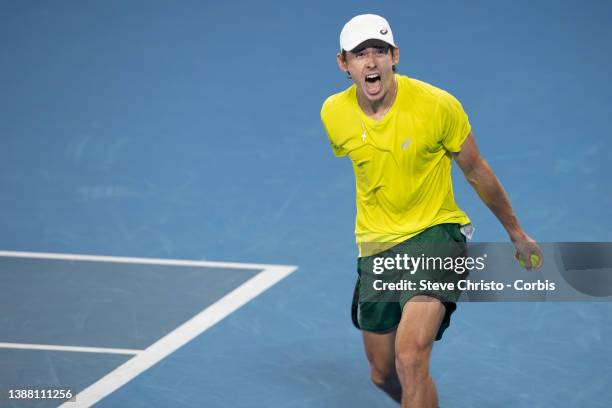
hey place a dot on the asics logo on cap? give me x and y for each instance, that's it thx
(383, 31)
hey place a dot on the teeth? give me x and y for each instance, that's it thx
(372, 76)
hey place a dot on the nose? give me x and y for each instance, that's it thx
(371, 60)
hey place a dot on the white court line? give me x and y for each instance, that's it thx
(180, 336)
(77, 349)
(131, 260)
(144, 359)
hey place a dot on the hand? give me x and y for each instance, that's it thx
(525, 248)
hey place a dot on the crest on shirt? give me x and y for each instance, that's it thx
(406, 143)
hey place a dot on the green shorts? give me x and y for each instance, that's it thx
(380, 311)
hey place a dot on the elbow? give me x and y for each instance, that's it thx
(477, 172)
(472, 178)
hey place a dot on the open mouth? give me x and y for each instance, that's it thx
(372, 78)
(373, 83)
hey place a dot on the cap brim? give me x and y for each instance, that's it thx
(353, 46)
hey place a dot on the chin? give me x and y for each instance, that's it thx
(380, 95)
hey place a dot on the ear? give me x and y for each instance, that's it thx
(396, 56)
(341, 63)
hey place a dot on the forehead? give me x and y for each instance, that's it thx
(370, 44)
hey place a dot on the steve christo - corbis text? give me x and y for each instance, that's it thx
(460, 265)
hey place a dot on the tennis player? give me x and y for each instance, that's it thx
(401, 135)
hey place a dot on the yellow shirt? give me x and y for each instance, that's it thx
(402, 163)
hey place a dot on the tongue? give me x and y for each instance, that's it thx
(373, 87)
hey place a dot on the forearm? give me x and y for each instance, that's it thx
(488, 187)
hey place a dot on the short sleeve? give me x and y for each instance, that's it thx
(455, 125)
(339, 150)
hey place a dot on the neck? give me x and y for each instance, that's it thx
(377, 109)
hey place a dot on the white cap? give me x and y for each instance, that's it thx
(365, 27)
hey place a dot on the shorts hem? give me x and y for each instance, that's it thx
(442, 299)
(381, 331)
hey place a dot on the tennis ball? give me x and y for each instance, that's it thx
(535, 261)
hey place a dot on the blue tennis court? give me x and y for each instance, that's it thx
(177, 233)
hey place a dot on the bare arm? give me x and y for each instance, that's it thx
(486, 184)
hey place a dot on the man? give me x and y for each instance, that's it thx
(401, 135)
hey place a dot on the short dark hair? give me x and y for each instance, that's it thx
(388, 48)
